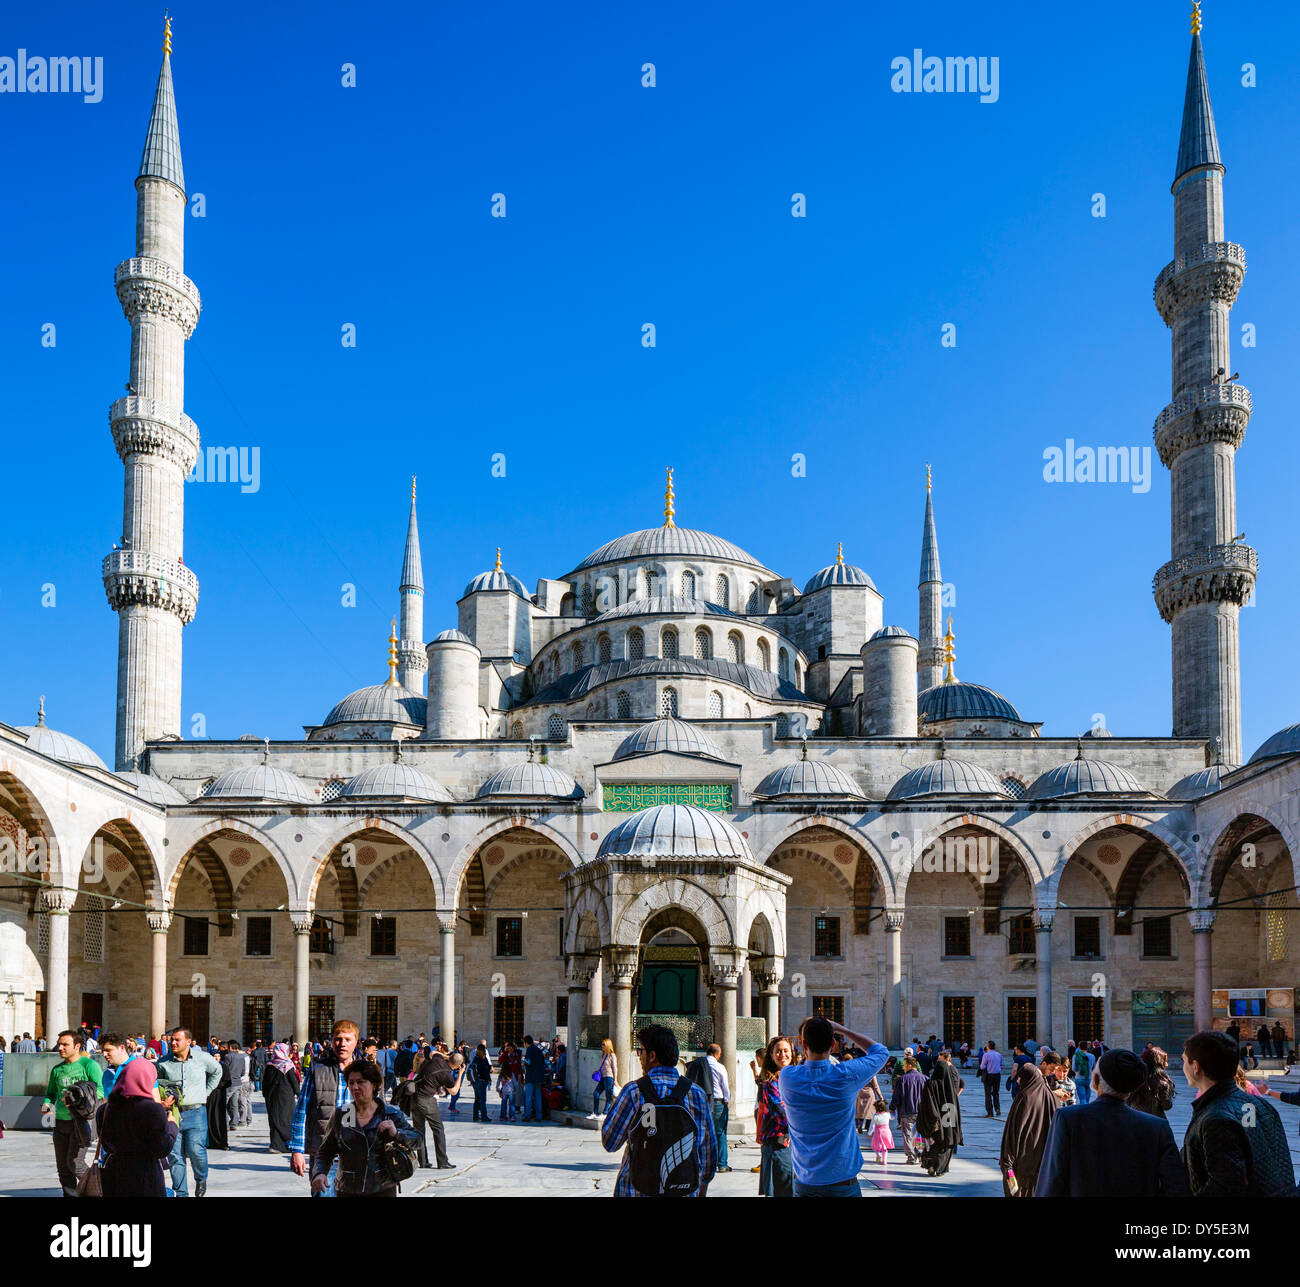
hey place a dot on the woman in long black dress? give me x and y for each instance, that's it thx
(939, 1120)
(217, 1124)
(280, 1085)
(136, 1133)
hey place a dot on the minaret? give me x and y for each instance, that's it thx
(1201, 589)
(410, 648)
(930, 655)
(147, 582)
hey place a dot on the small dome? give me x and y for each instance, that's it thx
(261, 782)
(396, 781)
(667, 734)
(808, 777)
(892, 632)
(946, 777)
(675, 831)
(1084, 777)
(530, 779)
(656, 542)
(1284, 742)
(961, 700)
(497, 579)
(153, 789)
(58, 746)
(839, 573)
(1100, 731)
(380, 703)
(452, 636)
(1203, 782)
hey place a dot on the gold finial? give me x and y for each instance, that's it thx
(40, 712)
(412, 489)
(392, 654)
(266, 750)
(669, 508)
(949, 655)
(839, 553)
(498, 566)
(927, 479)
(1196, 17)
(167, 34)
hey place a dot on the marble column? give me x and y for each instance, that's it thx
(725, 970)
(596, 989)
(159, 924)
(301, 972)
(447, 977)
(58, 904)
(768, 973)
(1043, 919)
(894, 982)
(745, 1001)
(1203, 967)
(620, 965)
(579, 970)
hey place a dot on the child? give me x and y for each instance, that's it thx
(507, 1088)
(882, 1139)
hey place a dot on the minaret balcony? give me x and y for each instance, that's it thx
(139, 577)
(154, 286)
(1215, 574)
(152, 427)
(1209, 413)
(1212, 270)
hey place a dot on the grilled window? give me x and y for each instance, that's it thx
(1022, 1018)
(1020, 937)
(668, 648)
(510, 936)
(715, 705)
(826, 936)
(958, 1021)
(322, 935)
(624, 705)
(92, 931)
(381, 1019)
(1087, 936)
(320, 1018)
(635, 644)
(688, 585)
(604, 650)
(257, 1020)
(668, 703)
(703, 645)
(831, 1008)
(258, 940)
(195, 935)
(956, 936)
(722, 591)
(383, 936)
(507, 1020)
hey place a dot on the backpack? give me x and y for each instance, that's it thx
(661, 1144)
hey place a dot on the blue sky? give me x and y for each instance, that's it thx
(371, 205)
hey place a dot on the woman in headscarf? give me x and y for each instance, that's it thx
(939, 1120)
(136, 1133)
(280, 1086)
(1024, 1137)
(218, 1102)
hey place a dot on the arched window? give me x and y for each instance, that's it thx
(517, 731)
(764, 655)
(331, 790)
(555, 665)
(1014, 787)
(568, 606)
(722, 591)
(651, 582)
(556, 728)
(783, 664)
(668, 703)
(587, 601)
(635, 644)
(715, 705)
(755, 603)
(798, 675)
(703, 644)
(688, 585)
(623, 704)
(735, 647)
(604, 650)
(576, 653)
(783, 726)
(669, 644)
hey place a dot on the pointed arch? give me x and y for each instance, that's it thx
(589, 909)
(370, 828)
(674, 897)
(1251, 823)
(786, 834)
(494, 830)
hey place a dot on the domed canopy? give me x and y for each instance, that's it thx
(261, 782)
(1084, 777)
(58, 746)
(451, 636)
(153, 789)
(530, 779)
(675, 831)
(839, 573)
(665, 604)
(808, 777)
(961, 700)
(1284, 742)
(667, 734)
(380, 704)
(395, 781)
(946, 777)
(497, 579)
(892, 632)
(1202, 782)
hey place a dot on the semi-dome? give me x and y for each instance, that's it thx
(892, 632)
(839, 573)
(530, 779)
(1083, 776)
(808, 777)
(451, 636)
(497, 579)
(58, 746)
(1202, 782)
(962, 700)
(1285, 741)
(395, 781)
(155, 790)
(663, 542)
(380, 704)
(665, 604)
(675, 831)
(668, 734)
(946, 777)
(260, 782)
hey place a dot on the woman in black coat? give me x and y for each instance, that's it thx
(217, 1105)
(136, 1133)
(280, 1086)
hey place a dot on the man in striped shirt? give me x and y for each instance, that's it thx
(657, 1050)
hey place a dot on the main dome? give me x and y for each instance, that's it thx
(675, 831)
(382, 704)
(658, 542)
(946, 777)
(961, 700)
(668, 734)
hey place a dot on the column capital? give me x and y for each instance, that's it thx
(726, 966)
(1202, 919)
(622, 962)
(160, 921)
(1043, 918)
(580, 969)
(302, 921)
(446, 922)
(893, 920)
(57, 900)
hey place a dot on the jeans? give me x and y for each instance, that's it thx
(992, 1092)
(1083, 1089)
(720, 1111)
(330, 1180)
(605, 1088)
(480, 1101)
(192, 1144)
(845, 1189)
(776, 1172)
(507, 1106)
(532, 1101)
(907, 1128)
(71, 1157)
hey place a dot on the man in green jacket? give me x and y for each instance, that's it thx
(72, 1137)
(186, 1077)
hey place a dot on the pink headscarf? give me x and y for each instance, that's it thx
(136, 1080)
(280, 1057)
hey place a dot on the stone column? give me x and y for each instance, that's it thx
(745, 1000)
(580, 969)
(301, 971)
(620, 963)
(447, 976)
(159, 924)
(894, 984)
(1043, 919)
(596, 989)
(725, 970)
(768, 973)
(58, 903)
(1202, 944)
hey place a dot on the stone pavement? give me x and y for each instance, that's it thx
(551, 1160)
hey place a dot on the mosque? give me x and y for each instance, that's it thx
(672, 780)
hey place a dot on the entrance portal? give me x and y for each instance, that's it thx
(670, 975)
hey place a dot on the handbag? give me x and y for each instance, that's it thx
(91, 1185)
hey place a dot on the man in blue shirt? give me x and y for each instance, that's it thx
(819, 1096)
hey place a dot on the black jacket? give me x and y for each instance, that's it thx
(701, 1074)
(136, 1134)
(1236, 1146)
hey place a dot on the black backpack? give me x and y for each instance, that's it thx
(661, 1143)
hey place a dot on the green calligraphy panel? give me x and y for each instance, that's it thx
(629, 797)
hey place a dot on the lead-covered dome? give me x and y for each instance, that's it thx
(155, 790)
(839, 573)
(451, 636)
(395, 781)
(1083, 776)
(661, 542)
(962, 700)
(675, 735)
(1285, 741)
(675, 831)
(946, 777)
(379, 704)
(530, 779)
(808, 778)
(892, 632)
(58, 746)
(1202, 782)
(261, 782)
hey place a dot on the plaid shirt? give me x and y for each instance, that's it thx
(771, 1112)
(627, 1110)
